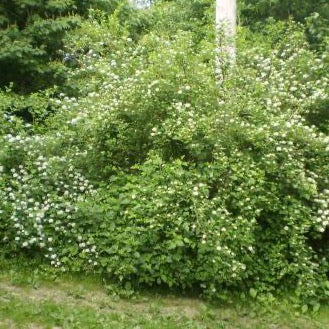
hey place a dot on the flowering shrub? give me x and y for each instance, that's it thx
(39, 197)
(220, 187)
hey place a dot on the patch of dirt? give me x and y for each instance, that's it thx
(34, 326)
(70, 294)
(189, 308)
(39, 294)
(7, 324)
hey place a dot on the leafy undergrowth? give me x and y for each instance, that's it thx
(31, 299)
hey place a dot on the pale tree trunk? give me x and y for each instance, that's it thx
(141, 4)
(225, 31)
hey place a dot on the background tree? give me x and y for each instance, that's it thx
(315, 13)
(259, 10)
(31, 36)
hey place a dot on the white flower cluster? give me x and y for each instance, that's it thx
(43, 201)
(293, 79)
(322, 215)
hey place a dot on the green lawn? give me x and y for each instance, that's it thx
(27, 301)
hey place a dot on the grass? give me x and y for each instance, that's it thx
(32, 301)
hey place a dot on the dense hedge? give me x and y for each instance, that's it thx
(143, 168)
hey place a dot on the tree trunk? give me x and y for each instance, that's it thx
(141, 4)
(225, 31)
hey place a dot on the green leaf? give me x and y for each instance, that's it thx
(316, 307)
(304, 308)
(253, 292)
